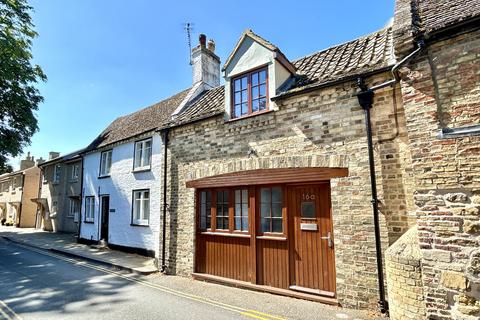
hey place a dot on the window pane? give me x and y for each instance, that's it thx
(237, 112)
(265, 224)
(146, 209)
(138, 154)
(244, 96)
(255, 92)
(238, 97)
(244, 196)
(244, 82)
(263, 76)
(262, 104)
(254, 79)
(238, 198)
(277, 225)
(255, 105)
(244, 108)
(219, 223)
(308, 209)
(277, 194)
(263, 90)
(265, 210)
(237, 85)
(238, 223)
(265, 195)
(245, 224)
(238, 209)
(276, 210)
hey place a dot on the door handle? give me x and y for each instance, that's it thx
(329, 239)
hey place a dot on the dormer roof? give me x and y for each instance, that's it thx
(267, 44)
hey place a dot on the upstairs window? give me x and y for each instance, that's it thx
(143, 154)
(250, 93)
(75, 172)
(105, 163)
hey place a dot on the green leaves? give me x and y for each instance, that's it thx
(19, 97)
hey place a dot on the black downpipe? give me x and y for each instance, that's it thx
(165, 205)
(365, 99)
(81, 202)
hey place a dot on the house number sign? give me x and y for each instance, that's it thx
(307, 196)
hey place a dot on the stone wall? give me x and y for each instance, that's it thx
(324, 128)
(404, 278)
(441, 90)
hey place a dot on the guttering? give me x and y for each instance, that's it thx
(165, 205)
(365, 99)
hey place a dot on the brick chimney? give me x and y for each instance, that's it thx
(28, 162)
(53, 155)
(206, 64)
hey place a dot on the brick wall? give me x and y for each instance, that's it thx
(404, 278)
(321, 129)
(441, 89)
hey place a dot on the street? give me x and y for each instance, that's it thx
(42, 285)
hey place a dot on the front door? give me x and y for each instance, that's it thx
(312, 255)
(105, 209)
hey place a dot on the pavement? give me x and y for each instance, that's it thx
(66, 244)
(40, 284)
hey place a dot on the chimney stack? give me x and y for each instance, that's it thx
(40, 161)
(206, 64)
(53, 155)
(28, 162)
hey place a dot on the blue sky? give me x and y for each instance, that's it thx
(108, 58)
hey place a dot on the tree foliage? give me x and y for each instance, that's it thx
(19, 97)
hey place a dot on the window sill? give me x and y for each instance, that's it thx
(139, 225)
(90, 222)
(143, 169)
(70, 217)
(250, 115)
(73, 180)
(276, 238)
(104, 177)
(224, 234)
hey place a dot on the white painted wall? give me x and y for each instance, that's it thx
(119, 187)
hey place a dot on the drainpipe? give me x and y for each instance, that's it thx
(365, 99)
(165, 205)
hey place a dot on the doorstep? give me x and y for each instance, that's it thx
(262, 288)
(66, 244)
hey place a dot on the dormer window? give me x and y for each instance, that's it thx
(250, 94)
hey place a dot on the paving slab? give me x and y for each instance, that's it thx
(66, 243)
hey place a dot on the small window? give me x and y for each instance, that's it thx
(222, 210)
(57, 170)
(205, 209)
(249, 93)
(143, 154)
(141, 207)
(271, 210)
(105, 163)
(308, 210)
(89, 209)
(73, 207)
(241, 209)
(75, 172)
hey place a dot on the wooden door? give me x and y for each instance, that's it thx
(312, 255)
(105, 210)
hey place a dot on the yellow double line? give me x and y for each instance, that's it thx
(245, 312)
(7, 313)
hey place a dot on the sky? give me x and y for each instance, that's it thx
(107, 58)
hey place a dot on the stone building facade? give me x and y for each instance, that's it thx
(321, 128)
(59, 199)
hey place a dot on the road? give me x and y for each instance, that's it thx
(36, 284)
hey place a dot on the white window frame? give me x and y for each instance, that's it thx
(75, 172)
(89, 209)
(105, 163)
(73, 207)
(56, 173)
(142, 160)
(141, 207)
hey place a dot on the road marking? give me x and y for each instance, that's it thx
(12, 315)
(248, 313)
